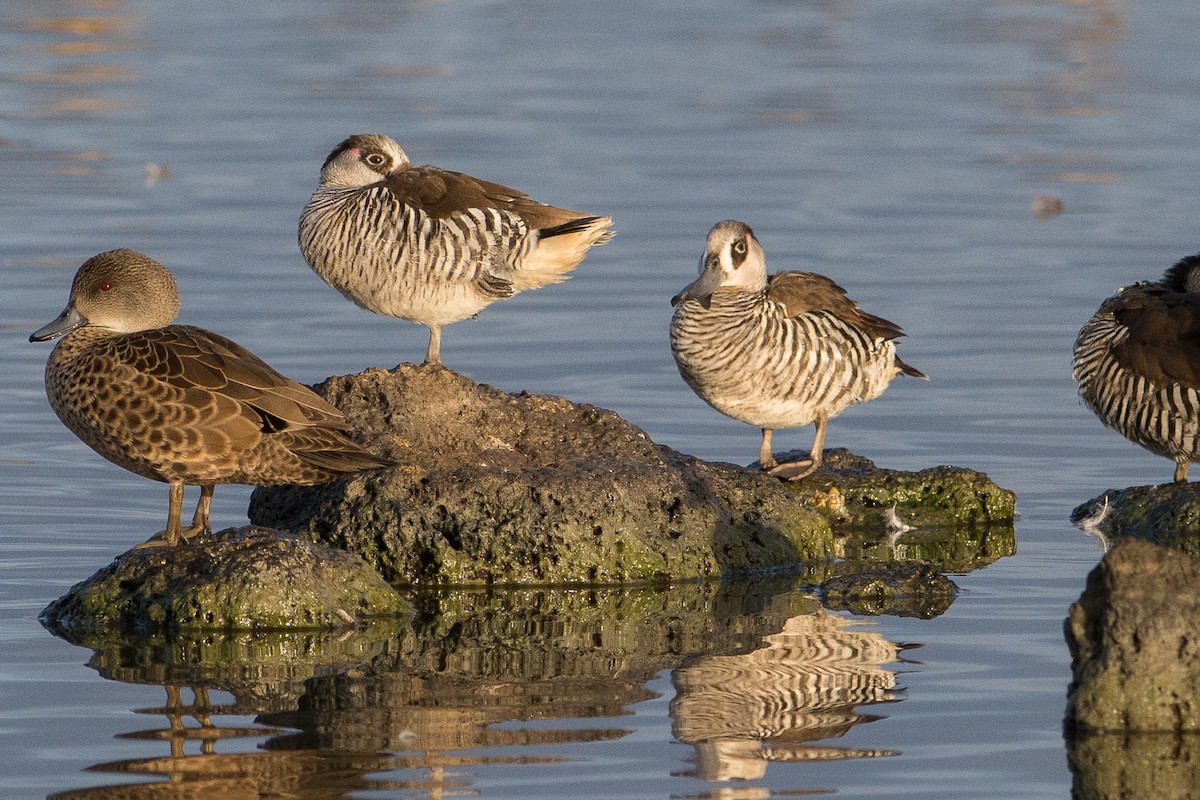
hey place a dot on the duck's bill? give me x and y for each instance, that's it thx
(67, 321)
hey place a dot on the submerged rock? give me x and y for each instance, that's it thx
(534, 489)
(904, 590)
(1135, 658)
(236, 579)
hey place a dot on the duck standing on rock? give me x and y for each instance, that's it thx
(429, 245)
(180, 404)
(1137, 364)
(781, 352)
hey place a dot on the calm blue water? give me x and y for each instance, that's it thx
(893, 146)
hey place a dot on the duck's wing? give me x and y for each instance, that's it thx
(808, 292)
(1162, 341)
(444, 193)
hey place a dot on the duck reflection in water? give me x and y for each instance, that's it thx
(741, 712)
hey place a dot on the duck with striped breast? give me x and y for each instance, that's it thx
(1137, 364)
(430, 245)
(778, 352)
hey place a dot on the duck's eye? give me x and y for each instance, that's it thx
(739, 247)
(375, 159)
(106, 287)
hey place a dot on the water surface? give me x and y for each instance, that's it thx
(896, 147)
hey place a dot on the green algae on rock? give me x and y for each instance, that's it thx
(500, 489)
(535, 489)
(245, 579)
(1168, 514)
(938, 496)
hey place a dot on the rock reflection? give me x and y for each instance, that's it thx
(1107, 766)
(741, 712)
(762, 673)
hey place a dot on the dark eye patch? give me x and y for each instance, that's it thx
(737, 253)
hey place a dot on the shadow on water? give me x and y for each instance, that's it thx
(761, 673)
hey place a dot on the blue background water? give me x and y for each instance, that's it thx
(895, 147)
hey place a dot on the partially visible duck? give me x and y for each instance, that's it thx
(181, 404)
(1137, 364)
(429, 245)
(781, 352)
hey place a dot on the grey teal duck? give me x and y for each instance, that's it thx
(429, 245)
(180, 404)
(1137, 364)
(778, 352)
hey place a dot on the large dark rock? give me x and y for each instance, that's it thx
(533, 489)
(1135, 656)
(244, 579)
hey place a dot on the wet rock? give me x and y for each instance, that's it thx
(1168, 515)
(1135, 658)
(939, 496)
(502, 488)
(534, 489)
(236, 579)
(905, 590)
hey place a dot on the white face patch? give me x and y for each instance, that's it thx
(740, 261)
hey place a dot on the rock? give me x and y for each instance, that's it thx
(939, 496)
(525, 488)
(237, 579)
(534, 489)
(1168, 515)
(1135, 658)
(906, 590)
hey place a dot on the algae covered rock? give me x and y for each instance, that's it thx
(856, 494)
(248, 578)
(1135, 658)
(1168, 515)
(496, 488)
(499, 488)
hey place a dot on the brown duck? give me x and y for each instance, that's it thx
(181, 404)
(1137, 364)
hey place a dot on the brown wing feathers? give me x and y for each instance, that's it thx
(1163, 342)
(241, 397)
(443, 193)
(807, 292)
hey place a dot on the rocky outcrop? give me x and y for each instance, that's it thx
(1168, 514)
(249, 578)
(497, 488)
(1135, 658)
